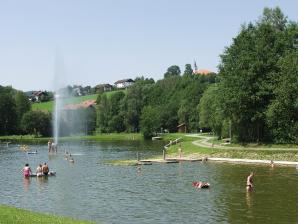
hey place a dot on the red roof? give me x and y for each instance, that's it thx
(202, 72)
(84, 104)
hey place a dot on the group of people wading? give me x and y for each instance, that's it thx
(41, 170)
(52, 147)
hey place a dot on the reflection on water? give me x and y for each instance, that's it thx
(158, 193)
(26, 182)
(249, 199)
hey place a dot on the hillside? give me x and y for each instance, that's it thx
(48, 106)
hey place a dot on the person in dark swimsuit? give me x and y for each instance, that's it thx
(45, 169)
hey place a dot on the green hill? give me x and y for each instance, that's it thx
(48, 106)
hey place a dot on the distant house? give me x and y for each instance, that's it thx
(202, 72)
(36, 96)
(103, 88)
(124, 83)
(182, 128)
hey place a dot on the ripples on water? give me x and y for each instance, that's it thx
(161, 193)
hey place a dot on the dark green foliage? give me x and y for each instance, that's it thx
(150, 121)
(8, 114)
(37, 123)
(23, 105)
(188, 70)
(250, 75)
(282, 116)
(174, 70)
(174, 99)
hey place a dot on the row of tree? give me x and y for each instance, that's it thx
(16, 116)
(256, 96)
(152, 107)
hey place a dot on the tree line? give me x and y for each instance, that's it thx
(256, 98)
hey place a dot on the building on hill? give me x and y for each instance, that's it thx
(124, 83)
(37, 96)
(202, 72)
(83, 105)
(100, 88)
(78, 119)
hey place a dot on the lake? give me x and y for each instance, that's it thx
(160, 193)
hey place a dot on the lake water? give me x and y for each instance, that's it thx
(161, 193)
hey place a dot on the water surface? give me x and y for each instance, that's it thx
(161, 193)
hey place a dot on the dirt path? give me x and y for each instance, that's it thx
(204, 142)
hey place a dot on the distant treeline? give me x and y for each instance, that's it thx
(152, 107)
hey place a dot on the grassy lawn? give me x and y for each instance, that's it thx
(48, 106)
(20, 216)
(267, 153)
(98, 137)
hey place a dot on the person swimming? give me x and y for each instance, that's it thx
(200, 184)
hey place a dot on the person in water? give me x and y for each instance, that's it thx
(39, 171)
(249, 181)
(200, 184)
(50, 145)
(45, 169)
(27, 170)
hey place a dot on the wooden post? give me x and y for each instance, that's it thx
(138, 158)
(164, 154)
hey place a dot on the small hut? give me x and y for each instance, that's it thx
(182, 128)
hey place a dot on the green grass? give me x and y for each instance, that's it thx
(98, 137)
(20, 216)
(284, 154)
(48, 106)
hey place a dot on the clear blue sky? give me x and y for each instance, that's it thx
(102, 41)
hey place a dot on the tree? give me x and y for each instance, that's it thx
(173, 70)
(210, 111)
(249, 74)
(37, 123)
(23, 105)
(8, 114)
(282, 116)
(188, 70)
(150, 121)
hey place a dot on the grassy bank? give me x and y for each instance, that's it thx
(20, 216)
(269, 152)
(48, 106)
(98, 137)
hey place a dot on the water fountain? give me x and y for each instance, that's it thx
(59, 95)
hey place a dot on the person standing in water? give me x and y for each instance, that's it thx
(249, 182)
(50, 145)
(39, 170)
(45, 169)
(27, 170)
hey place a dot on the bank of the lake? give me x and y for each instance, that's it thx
(199, 146)
(98, 137)
(20, 216)
(193, 145)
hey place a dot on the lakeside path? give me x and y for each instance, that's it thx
(239, 154)
(204, 141)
